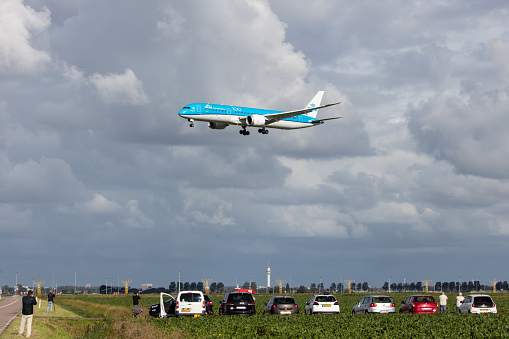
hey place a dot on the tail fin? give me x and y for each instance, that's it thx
(315, 102)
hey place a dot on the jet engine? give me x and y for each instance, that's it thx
(255, 120)
(217, 125)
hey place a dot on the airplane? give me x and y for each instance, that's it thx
(221, 116)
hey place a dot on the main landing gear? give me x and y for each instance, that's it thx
(244, 131)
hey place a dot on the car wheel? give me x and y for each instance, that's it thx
(366, 312)
(353, 311)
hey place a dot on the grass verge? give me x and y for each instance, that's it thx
(79, 319)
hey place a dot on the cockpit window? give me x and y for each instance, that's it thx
(187, 107)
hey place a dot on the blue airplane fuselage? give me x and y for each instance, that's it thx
(236, 115)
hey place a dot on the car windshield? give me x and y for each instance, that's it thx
(325, 299)
(240, 297)
(382, 300)
(424, 299)
(483, 301)
(284, 301)
(190, 297)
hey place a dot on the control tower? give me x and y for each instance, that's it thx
(268, 276)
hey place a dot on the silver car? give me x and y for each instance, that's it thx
(375, 304)
(478, 303)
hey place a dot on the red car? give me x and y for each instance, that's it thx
(419, 304)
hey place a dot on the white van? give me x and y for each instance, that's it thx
(190, 303)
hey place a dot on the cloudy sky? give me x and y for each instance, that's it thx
(99, 175)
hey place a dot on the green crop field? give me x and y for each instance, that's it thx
(344, 325)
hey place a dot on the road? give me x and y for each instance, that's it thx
(9, 309)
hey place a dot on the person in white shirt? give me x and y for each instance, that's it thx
(443, 303)
(459, 299)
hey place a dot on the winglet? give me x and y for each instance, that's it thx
(315, 102)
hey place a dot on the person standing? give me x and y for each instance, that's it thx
(51, 295)
(459, 300)
(443, 303)
(27, 313)
(136, 306)
(136, 298)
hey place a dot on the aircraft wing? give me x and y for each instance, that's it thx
(320, 121)
(274, 117)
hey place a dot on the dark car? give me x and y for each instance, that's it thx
(419, 304)
(169, 307)
(208, 305)
(281, 305)
(237, 303)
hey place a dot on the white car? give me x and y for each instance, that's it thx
(190, 303)
(478, 303)
(322, 303)
(374, 304)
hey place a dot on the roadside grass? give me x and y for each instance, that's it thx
(80, 319)
(44, 325)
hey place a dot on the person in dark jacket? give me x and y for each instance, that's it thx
(27, 313)
(136, 306)
(51, 295)
(136, 298)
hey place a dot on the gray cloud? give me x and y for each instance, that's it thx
(95, 160)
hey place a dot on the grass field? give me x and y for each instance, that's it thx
(116, 321)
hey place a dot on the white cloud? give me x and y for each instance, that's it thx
(100, 205)
(123, 89)
(18, 24)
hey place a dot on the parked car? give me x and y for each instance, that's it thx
(478, 303)
(168, 309)
(281, 305)
(319, 303)
(374, 304)
(208, 305)
(419, 304)
(190, 303)
(237, 303)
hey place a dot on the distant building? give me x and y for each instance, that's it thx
(145, 286)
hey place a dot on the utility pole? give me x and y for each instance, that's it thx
(74, 281)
